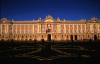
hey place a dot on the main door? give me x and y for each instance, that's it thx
(71, 37)
(75, 37)
(49, 37)
(95, 37)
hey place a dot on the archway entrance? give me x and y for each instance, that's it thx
(49, 37)
(75, 37)
(95, 37)
(71, 37)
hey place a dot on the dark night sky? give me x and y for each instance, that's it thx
(33, 9)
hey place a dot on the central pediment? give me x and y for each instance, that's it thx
(49, 18)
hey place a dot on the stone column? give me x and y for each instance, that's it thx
(73, 29)
(64, 28)
(38, 28)
(20, 28)
(69, 28)
(81, 28)
(73, 37)
(69, 37)
(79, 37)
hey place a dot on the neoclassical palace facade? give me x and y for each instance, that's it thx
(50, 29)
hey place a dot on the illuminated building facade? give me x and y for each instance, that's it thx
(50, 28)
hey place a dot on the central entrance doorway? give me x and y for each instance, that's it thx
(95, 37)
(75, 37)
(49, 37)
(71, 37)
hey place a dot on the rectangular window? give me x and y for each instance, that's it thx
(54, 27)
(67, 28)
(71, 28)
(59, 28)
(35, 28)
(75, 28)
(43, 28)
(18, 31)
(62, 28)
(26, 31)
(22, 31)
(14, 28)
(26, 28)
(79, 28)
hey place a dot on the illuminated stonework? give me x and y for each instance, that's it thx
(54, 29)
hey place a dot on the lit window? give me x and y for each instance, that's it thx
(26, 31)
(30, 31)
(22, 31)
(18, 31)
(43, 28)
(35, 28)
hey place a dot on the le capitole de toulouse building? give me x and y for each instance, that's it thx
(50, 28)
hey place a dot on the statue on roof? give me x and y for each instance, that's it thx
(94, 19)
(49, 17)
(58, 19)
